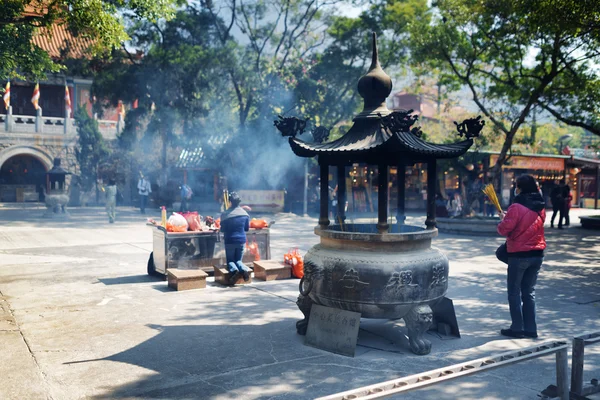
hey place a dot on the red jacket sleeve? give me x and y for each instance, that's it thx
(509, 223)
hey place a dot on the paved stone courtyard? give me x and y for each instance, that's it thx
(80, 319)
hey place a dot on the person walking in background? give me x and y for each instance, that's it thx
(489, 208)
(558, 204)
(186, 195)
(523, 226)
(566, 193)
(455, 206)
(144, 191)
(235, 222)
(440, 206)
(111, 200)
(333, 202)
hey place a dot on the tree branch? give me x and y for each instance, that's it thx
(595, 129)
(466, 79)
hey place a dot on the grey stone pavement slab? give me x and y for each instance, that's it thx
(80, 319)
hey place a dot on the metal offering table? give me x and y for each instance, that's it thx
(199, 250)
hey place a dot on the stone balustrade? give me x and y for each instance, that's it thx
(38, 124)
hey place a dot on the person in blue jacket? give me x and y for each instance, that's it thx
(235, 222)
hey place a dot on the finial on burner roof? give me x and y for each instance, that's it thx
(374, 87)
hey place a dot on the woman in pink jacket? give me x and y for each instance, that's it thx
(523, 226)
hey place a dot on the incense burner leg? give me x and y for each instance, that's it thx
(417, 322)
(304, 303)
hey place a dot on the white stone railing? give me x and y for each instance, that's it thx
(110, 129)
(39, 124)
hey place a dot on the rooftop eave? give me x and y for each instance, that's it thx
(399, 142)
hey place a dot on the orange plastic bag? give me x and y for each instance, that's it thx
(253, 249)
(295, 260)
(174, 228)
(258, 223)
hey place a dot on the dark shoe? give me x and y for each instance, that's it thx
(551, 225)
(560, 227)
(197, 256)
(233, 278)
(511, 333)
(246, 276)
(532, 335)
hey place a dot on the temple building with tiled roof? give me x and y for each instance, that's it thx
(30, 139)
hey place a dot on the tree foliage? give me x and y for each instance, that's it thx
(101, 21)
(222, 71)
(91, 148)
(517, 55)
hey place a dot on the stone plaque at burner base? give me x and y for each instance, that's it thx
(333, 330)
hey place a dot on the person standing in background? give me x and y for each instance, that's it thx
(186, 195)
(144, 191)
(566, 192)
(558, 204)
(111, 200)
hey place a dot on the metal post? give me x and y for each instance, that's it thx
(431, 185)
(305, 200)
(341, 194)
(382, 198)
(577, 365)
(401, 212)
(39, 123)
(562, 374)
(324, 208)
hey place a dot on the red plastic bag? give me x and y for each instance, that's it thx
(193, 220)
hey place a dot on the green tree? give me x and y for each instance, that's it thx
(177, 81)
(223, 71)
(99, 20)
(91, 148)
(514, 55)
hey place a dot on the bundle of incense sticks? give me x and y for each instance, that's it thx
(491, 194)
(226, 199)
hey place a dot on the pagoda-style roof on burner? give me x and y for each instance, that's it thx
(378, 135)
(57, 170)
(372, 140)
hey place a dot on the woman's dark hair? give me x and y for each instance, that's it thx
(234, 199)
(111, 182)
(527, 184)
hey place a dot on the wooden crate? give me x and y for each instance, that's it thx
(270, 270)
(186, 279)
(222, 277)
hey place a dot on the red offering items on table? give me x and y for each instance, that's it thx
(258, 223)
(177, 223)
(193, 220)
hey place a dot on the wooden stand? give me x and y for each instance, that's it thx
(270, 270)
(222, 277)
(185, 279)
